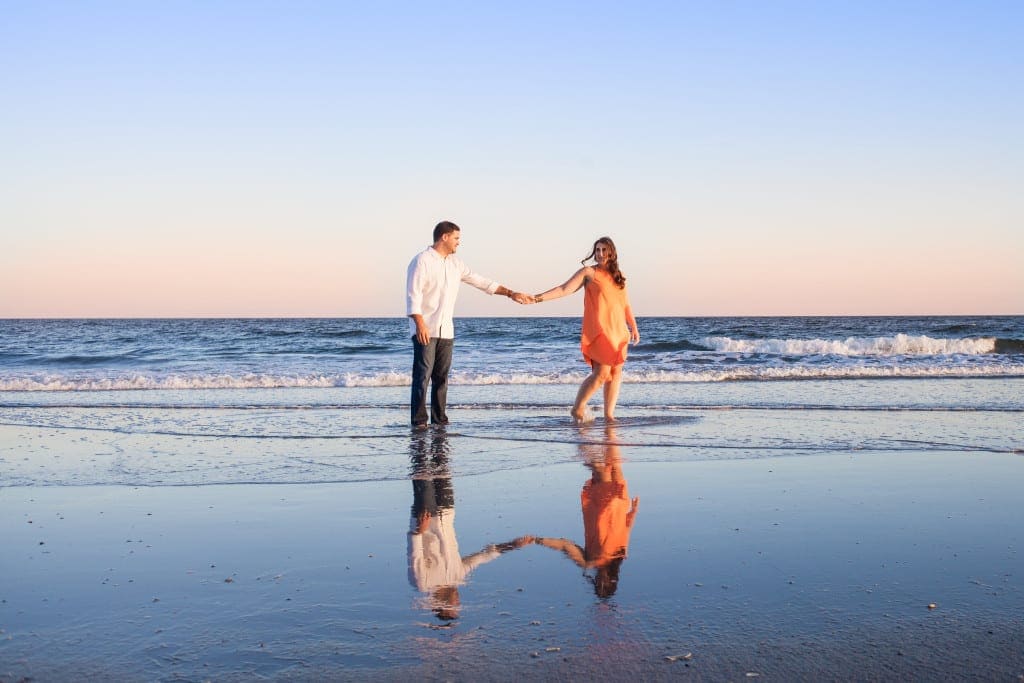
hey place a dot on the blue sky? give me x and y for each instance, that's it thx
(290, 158)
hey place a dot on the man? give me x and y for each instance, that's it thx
(436, 568)
(432, 284)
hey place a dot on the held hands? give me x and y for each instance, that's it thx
(513, 544)
(521, 298)
(527, 298)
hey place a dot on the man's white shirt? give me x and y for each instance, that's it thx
(431, 287)
(434, 559)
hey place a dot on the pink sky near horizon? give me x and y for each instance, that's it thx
(186, 282)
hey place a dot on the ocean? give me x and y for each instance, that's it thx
(255, 395)
(181, 354)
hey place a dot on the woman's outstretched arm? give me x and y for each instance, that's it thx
(571, 550)
(568, 287)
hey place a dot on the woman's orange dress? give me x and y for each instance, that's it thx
(605, 337)
(608, 517)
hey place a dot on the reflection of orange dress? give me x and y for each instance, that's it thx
(605, 336)
(607, 521)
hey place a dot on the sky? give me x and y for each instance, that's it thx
(176, 159)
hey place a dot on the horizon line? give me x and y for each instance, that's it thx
(396, 317)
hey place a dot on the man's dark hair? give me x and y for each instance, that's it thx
(443, 228)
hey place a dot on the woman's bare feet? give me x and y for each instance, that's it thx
(582, 417)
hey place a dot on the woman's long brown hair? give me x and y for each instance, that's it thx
(613, 262)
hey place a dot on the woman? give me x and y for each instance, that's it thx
(608, 516)
(608, 326)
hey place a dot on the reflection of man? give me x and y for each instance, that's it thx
(435, 565)
(608, 516)
(432, 284)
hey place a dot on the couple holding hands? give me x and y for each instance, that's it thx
(432, 285)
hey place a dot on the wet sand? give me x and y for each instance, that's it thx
(831, 566)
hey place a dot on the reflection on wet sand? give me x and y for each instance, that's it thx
(436, 568)
(608, 516)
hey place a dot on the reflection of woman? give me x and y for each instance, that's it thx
(608, 325)
(608, 516)
(435, 566)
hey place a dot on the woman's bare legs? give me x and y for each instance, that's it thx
(599, 375)
(611, 392)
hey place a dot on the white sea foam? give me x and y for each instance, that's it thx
(899, 345)
(208, 381)
(635, 374)
(833, 372)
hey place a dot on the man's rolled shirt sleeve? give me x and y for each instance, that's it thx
(414, 288)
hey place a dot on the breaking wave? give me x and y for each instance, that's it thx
(394, 379)
(898, 345)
